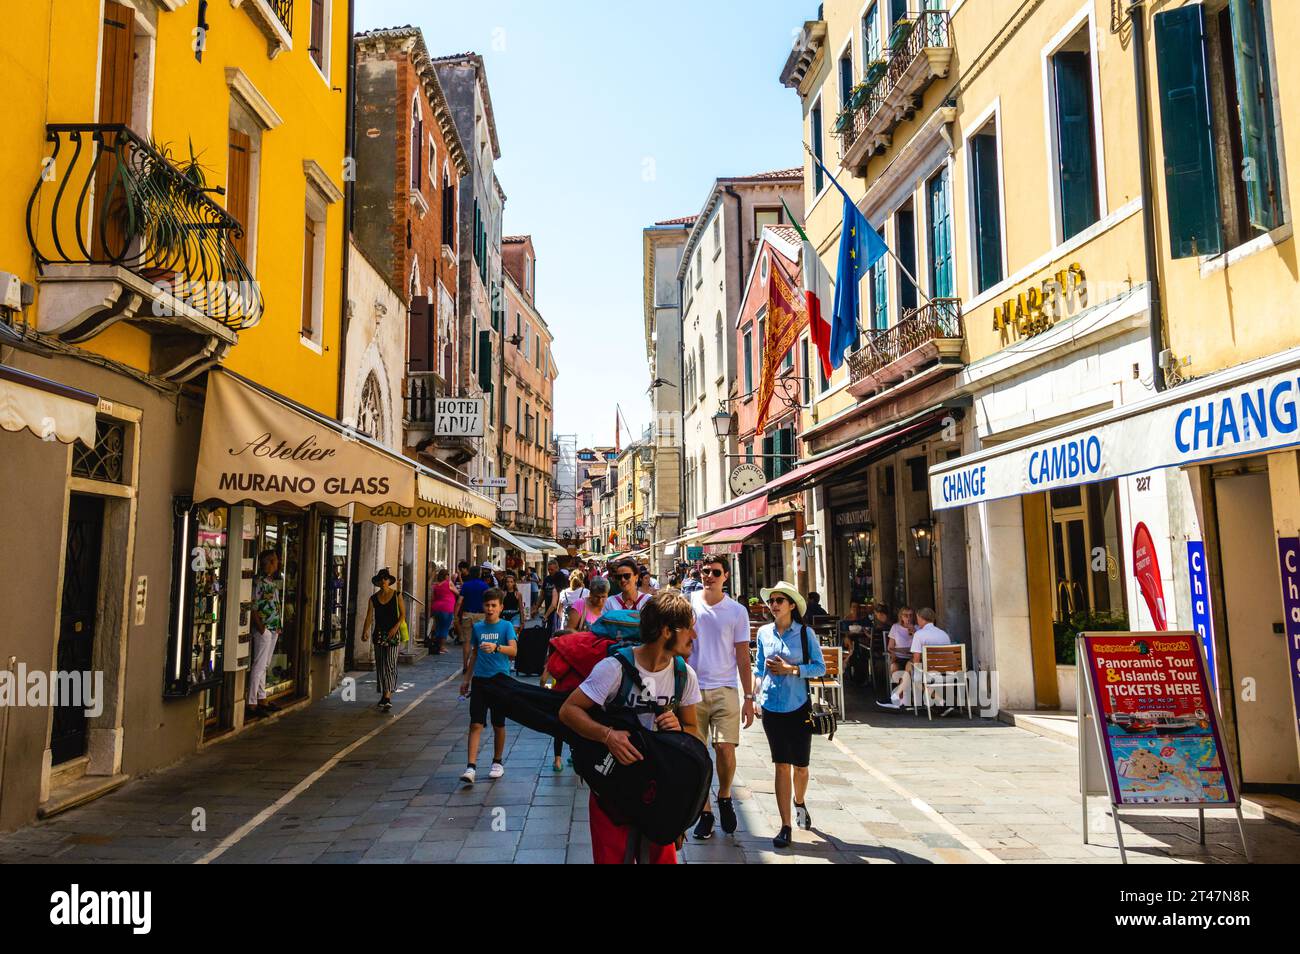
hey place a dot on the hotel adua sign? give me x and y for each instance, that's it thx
(458, 417)
(1238, 417)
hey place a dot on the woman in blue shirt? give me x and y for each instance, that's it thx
(788, 655)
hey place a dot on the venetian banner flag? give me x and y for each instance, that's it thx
(786, 319)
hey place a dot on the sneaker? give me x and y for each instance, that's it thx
(497, 770)
(801, 816)
(727, 816)
(704, 827)
(387, 705)
(782, 839)
(468, 776)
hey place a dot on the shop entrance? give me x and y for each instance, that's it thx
(82, 551)
(283, 533)
(1253, 606)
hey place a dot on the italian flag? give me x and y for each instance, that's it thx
(817, 296)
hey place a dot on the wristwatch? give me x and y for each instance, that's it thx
(749, 697)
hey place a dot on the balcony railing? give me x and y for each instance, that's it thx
(921, 31)
(939, 319)
(283, 10)
(107, 197)
(420, 395)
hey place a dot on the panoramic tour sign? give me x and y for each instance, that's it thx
(1154, 726)
(1249, 417)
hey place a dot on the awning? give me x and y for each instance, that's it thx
(510, 540)
(1250, 409)
(260, 447)
(862, 452)
(439, 502)
(46, 408)
(544, 545)
(734, 534)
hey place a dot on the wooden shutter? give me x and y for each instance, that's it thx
(1255, 109)
(769, 471)
(448, 214)
(1191, 179)
(1075, 147)
(485, 361)
(317, 47)
(238, 186)
(940, 237)
(988, 211)
(116, 71)
(308, 276)
(421, 335)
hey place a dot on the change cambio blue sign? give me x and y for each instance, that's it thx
(1256, 415)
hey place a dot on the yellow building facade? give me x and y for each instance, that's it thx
(174, 211)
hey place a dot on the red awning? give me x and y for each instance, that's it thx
(734, 534)
(809, 472)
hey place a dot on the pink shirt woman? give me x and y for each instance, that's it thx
(444, 597)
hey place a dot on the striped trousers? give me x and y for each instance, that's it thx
(386, 668)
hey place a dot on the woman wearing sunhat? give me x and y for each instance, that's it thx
(788, 655)
(387, 611)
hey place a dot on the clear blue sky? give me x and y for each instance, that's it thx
(587, 97)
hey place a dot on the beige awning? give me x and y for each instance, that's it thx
(439, 502)
(46, 408)
(260, 447)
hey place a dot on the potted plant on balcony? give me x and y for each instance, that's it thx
(901, 31)
(872, 73)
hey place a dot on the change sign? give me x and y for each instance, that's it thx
(458, 417)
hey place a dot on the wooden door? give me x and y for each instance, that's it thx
(116, 78)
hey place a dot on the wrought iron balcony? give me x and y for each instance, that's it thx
(920, 50)
(283, 10)
(929, 335)
(113, 209)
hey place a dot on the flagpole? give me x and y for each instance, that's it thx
(889, 251)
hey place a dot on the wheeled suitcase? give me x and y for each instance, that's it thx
(530, 658)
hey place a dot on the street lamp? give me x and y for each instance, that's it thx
(722, 423)
(923, 536)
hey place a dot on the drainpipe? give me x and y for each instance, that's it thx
(349, 140)
(1136, 14)
(681, 400)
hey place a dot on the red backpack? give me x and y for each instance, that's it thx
(573, 656)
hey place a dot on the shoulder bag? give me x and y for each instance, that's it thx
(821, 717)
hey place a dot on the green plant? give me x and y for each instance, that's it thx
(1065, 631)
(158, 194)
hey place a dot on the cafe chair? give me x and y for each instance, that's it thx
(832, 684)
(941, 666)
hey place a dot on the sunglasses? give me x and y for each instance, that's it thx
(776, 599)
(622, 576)
(712, 572)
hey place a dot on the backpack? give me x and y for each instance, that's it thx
(574, 654)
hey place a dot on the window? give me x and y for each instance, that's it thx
(748, 359)
(717, 344)
(417, 144)
(313, 269)
(762, 336)
(880, 291)
(905, 228)
(846, 75)
(537, 353)
(702, 369)
(717, 233)
(806, 369)
(815, 122)
(938, 204)
(318, 49)
(699, 266)
(1216, 86)
(986, 207)
(239, 195)
(1075, 143)
(448, 211)
(764, 217)
(870, 36)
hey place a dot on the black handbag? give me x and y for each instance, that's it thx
(821, 717)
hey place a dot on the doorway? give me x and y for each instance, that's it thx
(1253, 607)
(82, 550)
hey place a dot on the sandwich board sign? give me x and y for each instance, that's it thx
(1149, 734)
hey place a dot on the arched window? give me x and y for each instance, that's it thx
(703, 368)
(722, 351)
(370, 410)
(417, 144)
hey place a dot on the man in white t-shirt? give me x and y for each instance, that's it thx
(667, 633)
(928, 634)
(721, 660)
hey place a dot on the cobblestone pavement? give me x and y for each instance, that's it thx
(339, 783)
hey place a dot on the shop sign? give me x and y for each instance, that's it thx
(458, 417)
(1200, 590)
(858, 517)
(1288, 551)
(508, 503)
(1155, 719)
(695, 553)
(1255, 416)
(787, 534)
(1040, 306)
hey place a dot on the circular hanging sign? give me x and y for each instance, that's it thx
(746, 478)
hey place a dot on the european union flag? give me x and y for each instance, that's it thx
(860, 248)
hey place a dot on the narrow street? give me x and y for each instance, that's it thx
(339, 783)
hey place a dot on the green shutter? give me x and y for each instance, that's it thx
(1191, 179)
(988, 211)
(1075, 146)
(769, 448)
(485, 361)
(940, 236)
(1255, 108)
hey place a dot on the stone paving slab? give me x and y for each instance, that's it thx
(891, 789)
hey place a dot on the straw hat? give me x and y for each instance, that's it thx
(786, 589)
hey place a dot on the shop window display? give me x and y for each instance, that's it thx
(1084, 544)
(195, 647)
(283, 534)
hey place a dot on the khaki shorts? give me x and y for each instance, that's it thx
(717, 716)
(466, 629)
